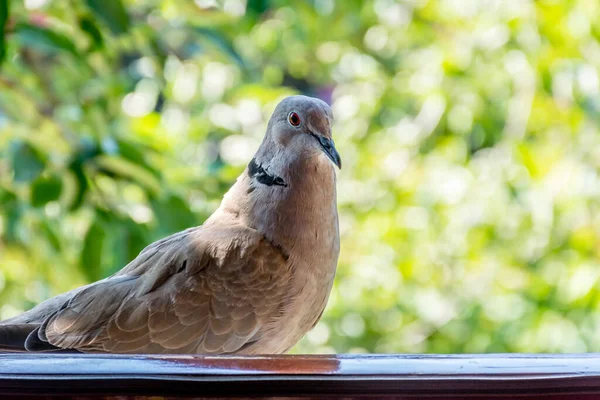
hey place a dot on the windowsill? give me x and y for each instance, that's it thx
(344, 375)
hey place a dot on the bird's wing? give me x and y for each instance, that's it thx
(205, 290)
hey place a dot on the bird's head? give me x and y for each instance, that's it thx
(302, 125)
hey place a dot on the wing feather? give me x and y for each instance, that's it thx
(204, 290)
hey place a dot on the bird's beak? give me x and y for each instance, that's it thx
(328, 148)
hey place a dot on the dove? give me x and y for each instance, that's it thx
(253, 279)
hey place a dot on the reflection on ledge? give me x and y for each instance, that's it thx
(345, 376)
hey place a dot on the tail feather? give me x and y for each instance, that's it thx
(36, 341)
(24, 338)
(13, 337)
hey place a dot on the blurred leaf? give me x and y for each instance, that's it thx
(13, 220)
(51, 235)
(135, 152)
(91, 255)
(156, 45)
(222, 43)
(86, 150)
(45, 189)
(4, 11)
(127, 170)
(136, 239)
(12, 210)
(112, 13)
(258, 6)
(44, 40)
(7, 197)
(173, 214)
(82, 185)
(27, 162)
(88, 25)
(128, 239)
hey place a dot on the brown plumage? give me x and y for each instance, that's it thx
(252, 280)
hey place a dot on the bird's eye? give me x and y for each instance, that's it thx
(294, 119)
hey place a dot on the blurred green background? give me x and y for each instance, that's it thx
(470, 195)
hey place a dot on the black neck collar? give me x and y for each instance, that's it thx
(257, 172)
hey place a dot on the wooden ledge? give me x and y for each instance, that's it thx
(349, 376)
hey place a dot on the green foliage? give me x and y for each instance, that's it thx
(44, 40)
(112, 13)
(4, 7)
(470, 193)
(27, 162)
(45, 190)
(91, 254)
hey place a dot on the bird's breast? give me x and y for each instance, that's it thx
(302, 220)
